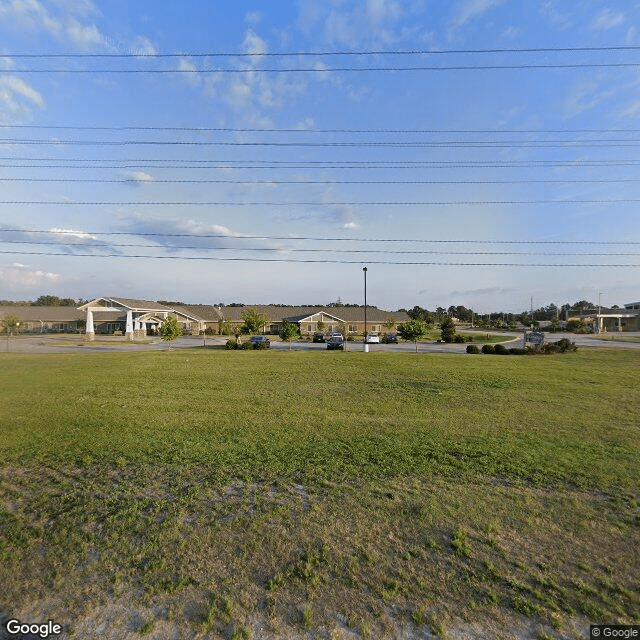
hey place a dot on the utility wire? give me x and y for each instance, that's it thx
(253, 70)
(312, 238)
(363, 52)
(306, 131)
(324, 261)
(303, 250)
(178, 163)
(426, 203)
(500, 144)
(303, 183)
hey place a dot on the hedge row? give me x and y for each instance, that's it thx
(561, 346)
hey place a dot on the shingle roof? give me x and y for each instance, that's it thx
(296, 314)
(28, 313)
(206, 312)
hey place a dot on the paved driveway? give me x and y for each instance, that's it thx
(48, 343)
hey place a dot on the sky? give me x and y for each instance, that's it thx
(471, 152)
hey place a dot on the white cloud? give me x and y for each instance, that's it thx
(631, 110)
(253, 17)
(32, 14)
(587, 95)
(472, 9)
(142, 46)
(608, 19)
(364, 23)
(21, 275)
(135, 178)
(16, 98)
(557, 18)
(72, 234)
(68, 21)
(170, 234)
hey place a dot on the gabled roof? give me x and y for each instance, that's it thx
(127, 303)
(204, 312)
(298, 314)
(30, 313)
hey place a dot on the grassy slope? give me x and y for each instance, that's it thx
(362, 490)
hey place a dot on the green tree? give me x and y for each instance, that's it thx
(447, 329)
(170, 329)
(10, 324)
(254, 321)
(289, 331)
(412, 330)
(390, 323)
(47, 301)
(226, 328)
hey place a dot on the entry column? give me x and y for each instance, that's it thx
(90, 332)
(129, 329)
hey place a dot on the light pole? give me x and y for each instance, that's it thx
(366, 346)
(599, 311)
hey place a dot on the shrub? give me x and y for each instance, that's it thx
(447, 329)
(500, 349)
(566, 345)
(209, 331)
(246, 346)
(518, 351)
(458, 338)
(488, 348)
(472, 348)
(231, 344)
(260, 345)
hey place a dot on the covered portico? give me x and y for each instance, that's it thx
(615, 320)
(138, 316)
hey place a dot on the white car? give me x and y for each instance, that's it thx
(372, 338)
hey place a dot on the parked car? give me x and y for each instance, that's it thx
(318, 336)
(260, 342)
(336, 341)
(372, 338)
(390, 338)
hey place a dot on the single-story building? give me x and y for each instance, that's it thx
(614, 319)
(42, 319)
(137, 318)
(134, 317)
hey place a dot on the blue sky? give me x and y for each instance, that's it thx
(371, 168)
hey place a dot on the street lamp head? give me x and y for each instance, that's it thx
(364, 268)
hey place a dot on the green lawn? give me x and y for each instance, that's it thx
(321, 490)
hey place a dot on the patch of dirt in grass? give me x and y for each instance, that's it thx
(164, 552)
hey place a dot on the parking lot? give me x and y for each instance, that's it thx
(66, 343)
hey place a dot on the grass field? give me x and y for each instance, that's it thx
(206, 493)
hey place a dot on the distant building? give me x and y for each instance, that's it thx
(603, 320)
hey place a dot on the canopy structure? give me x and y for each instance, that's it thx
(139, 317)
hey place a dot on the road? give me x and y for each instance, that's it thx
(61, 343)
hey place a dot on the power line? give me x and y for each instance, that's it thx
(313, 238)
(253, 70)
(315, 182)
(178, 163)
(305, 131)
(426, 203)
(332, 250)
(502, 144)
(324, 261)
(136, 163)
(363, 52)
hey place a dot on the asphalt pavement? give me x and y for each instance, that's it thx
(66, 343)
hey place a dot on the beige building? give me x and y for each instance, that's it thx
(606, 320)
(136, 318)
